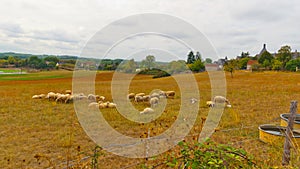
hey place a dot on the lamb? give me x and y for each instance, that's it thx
(147, 110)
(170, 94)
(153, 101)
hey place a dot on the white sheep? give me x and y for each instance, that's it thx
(101, 98)
(153, 101)
(93, 105)
(40, 96)
(138, 98)
(52, 95)
(220, 99)
(69, 99)
(146, 98)
(62, 97)
(111, 105)
(147, 110)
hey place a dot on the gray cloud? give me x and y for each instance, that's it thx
(65, 26)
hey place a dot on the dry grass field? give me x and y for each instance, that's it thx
(45, 134)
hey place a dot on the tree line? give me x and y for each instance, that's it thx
(283, 60)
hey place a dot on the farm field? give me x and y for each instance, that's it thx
(46, 134)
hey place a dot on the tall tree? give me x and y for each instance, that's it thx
(208, 60)
(128, 66)
(11, 60)
(231, 66)
(284, 55)
(149, 61)
(191, 58)
(245, 54)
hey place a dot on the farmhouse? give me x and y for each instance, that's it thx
(212, 67)
(250, 64)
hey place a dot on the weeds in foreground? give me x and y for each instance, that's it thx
(209, 154)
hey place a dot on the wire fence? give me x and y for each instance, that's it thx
(195, 135)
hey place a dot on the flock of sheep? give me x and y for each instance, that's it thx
(96, 101)
(153, 99)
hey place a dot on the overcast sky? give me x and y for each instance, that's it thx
(65, 27)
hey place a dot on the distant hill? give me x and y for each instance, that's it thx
(25, 56)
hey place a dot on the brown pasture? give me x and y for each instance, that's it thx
(42, 133)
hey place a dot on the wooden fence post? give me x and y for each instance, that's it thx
(289, 134)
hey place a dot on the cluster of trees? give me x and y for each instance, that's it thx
(195, 62)
(282, 60)
(34, 62)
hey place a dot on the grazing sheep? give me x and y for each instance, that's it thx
(170, 94)
(101, 98)
(36, 96)
(218, 99)
(102, 105)
(68, 92)
(111, 105)
(221, 99)
(147, 110)
(69, 99)
(146, 98)
(138, 98)
(130, 96)
(93, 98)
(40, 96)
(153, 101)
(62, 97)
(93, 105)
(51, 95)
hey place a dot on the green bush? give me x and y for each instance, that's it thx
(210, 155)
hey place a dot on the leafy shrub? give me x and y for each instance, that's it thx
(210, 155)
(157, 73)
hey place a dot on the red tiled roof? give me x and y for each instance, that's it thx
(251, 62)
